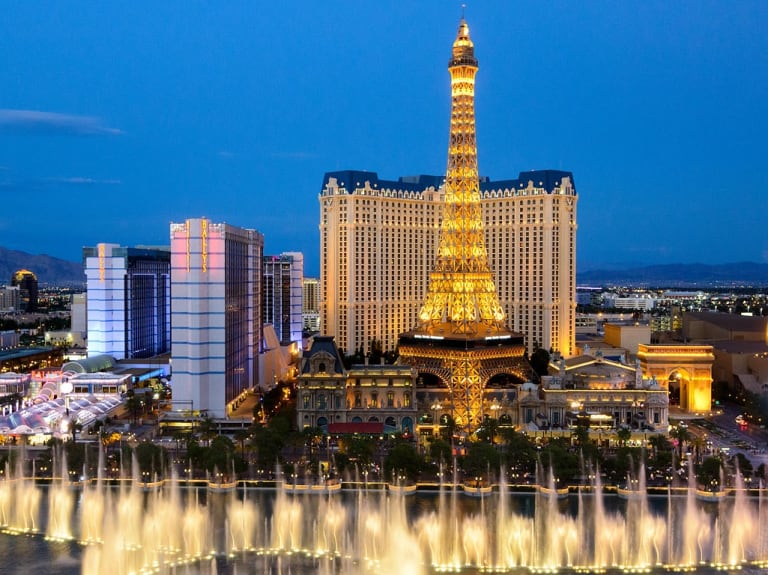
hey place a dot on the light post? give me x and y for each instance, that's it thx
(66, 425)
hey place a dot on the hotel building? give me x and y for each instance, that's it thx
(311, 305)
(216, 270)
(129, 301)
(282, 295)
(378, 241)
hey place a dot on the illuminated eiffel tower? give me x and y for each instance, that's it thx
(461, 337)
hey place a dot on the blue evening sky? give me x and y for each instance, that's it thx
(117, 118)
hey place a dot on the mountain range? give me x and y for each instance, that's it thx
(740, 274)
(48, 269)
(55, 271)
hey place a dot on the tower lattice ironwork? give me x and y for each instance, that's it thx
(461, 336)
(462, 294)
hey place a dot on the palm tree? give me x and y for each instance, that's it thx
(207, 429)
(241, 436)
(681, 434)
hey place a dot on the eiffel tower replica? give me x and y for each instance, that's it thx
(461, 336)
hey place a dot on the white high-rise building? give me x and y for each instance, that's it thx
(377, 246)
(282, 295)
(128, 301)
(216, 271)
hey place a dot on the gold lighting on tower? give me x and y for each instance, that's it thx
(462, 294)
(461, 337)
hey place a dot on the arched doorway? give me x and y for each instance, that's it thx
(677, 383)
(407, 426)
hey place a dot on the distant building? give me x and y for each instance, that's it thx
(10, 299)
(79, 314)
(640, 303)
(740, 346)
(128, 301)
(713, 326)
(216, 271)
(27, 283)
(281, 298)
(627, 335)
(9, 339)
(24, 360)
(311, 305)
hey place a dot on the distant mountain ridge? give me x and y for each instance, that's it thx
(682, 275)
(49, 270)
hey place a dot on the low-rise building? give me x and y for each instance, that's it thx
(331, 397)
(598, 393)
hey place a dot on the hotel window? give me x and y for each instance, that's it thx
(358, 399)
(390, 399)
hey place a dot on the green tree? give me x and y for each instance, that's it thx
(623, 435)
(557, 457)
(376, 352)
(151, 458)
(581, 435)
(402, 460)
(489, 430)
(520, 450)
(479, 460)
(133, 405)
(267, 444)
(440, 451)
(360, 449)
(743, 464)
(207, 429)
(540, 361)
(221, 457)
(681, 435)
(708, 473)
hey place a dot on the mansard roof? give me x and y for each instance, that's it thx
(351, 180)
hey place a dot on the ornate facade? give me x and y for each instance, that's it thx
(683, 370)
(601, 394)
(329, 396)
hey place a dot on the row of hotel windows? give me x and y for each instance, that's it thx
(322, 402)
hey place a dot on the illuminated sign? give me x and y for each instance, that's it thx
(189, 257)
(101, 262)
(204, 242)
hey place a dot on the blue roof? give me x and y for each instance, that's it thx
(353, 179)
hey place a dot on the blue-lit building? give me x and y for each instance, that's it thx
(128, 301)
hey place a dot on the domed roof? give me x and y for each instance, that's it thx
(21, 274)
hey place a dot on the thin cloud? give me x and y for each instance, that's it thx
(293, 155)
(41, 185)
(79, 181)
(53, 122)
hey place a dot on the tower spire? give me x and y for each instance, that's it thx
(462, 294)
(461, 337)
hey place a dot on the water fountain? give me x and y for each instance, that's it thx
(170, 530)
